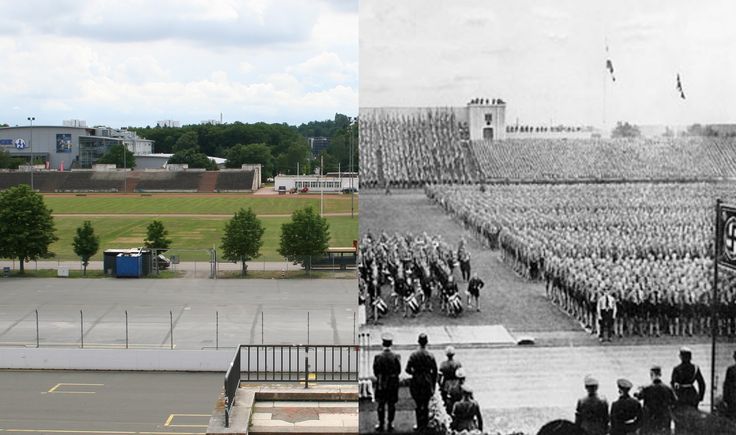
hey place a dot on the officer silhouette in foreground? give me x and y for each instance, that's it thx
(386, 368)
(423, 370)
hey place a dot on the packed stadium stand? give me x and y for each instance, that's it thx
(136, 181)
(407, 149)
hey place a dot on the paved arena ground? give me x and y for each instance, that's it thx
(519, 388)
(283, 305)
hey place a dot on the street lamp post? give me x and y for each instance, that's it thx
(31, 119)
(352, 188)
(125, 172)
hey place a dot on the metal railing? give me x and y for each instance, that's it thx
(232, 383)
(289, 363)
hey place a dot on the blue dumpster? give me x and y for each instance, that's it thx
(129, 266)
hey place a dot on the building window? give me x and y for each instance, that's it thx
(489, 118)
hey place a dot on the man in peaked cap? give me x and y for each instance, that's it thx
(684, 378)
(626, 411)
(658, 400)
(591, 412)
(386, 368)
(447, 375)
(423, 370)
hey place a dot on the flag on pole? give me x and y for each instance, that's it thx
(678, 87)
(609, 65)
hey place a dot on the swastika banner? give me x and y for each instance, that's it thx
(727, 222)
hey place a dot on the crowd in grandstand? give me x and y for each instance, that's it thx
(408, 150)
(641, 158)
(647, 246)
(410, 274)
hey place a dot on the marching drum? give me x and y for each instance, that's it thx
(380, 306)
(456, 305)
(412, 303)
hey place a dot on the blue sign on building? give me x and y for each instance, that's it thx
(6, 141)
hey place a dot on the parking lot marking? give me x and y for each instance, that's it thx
(55, 388)
(172, 416)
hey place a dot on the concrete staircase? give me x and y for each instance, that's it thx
(208, 181)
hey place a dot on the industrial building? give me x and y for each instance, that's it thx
(330, 183)
(68, 147)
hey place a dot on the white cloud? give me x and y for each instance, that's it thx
(133, 62)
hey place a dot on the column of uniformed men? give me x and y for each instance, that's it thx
(609, 310)
(414, 274)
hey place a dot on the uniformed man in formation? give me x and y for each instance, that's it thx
(606, 315)
(386, 369)
(626, 412)
(658, 400)
(423, 370)
(474, 286)
(687, 381)
(591, 412)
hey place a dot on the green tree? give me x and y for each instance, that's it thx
(242, 239)
(26, 225)
(114, 155)
(307, 235)
(86, 243)
(7, 161)
(251, 154)
(156, 236)
(194, 159)
(187, 141)
(296, 153)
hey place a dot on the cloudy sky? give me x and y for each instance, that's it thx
(134, 62)
(546, 59)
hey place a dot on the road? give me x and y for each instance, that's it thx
(110, 403)
(319, 311)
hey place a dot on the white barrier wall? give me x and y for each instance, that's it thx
(117, 359)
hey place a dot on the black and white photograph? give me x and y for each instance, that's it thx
(547, 228)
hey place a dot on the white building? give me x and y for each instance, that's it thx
(315, 183)
(168, 123)
(74, 123)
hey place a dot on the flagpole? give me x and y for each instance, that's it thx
(714, 305)
(605, 78)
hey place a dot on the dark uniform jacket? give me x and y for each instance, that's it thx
(423, 370)
(386, 368)
(729, 390)
(474, 286)
(464, 414)
(684, 378)
(591, 414)
(447, 372)
(658, 400)
(625, 416)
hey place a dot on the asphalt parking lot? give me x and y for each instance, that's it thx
(48, 402)
(204, 313)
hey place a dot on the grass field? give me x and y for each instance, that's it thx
(185, 233)
(193, 203)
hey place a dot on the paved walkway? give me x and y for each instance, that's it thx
(293, 416)
(457, 335)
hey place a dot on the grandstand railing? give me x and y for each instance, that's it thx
(289, 363)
